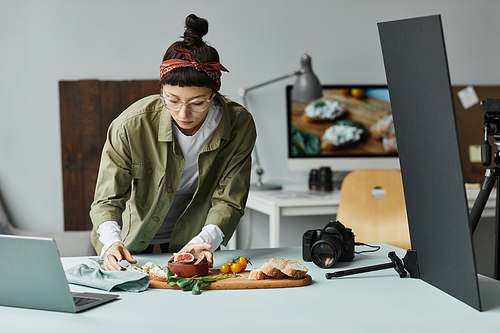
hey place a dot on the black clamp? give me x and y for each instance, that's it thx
(408, 264)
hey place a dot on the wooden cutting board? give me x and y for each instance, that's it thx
(242, 282)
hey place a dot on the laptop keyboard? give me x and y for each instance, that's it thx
(79, 301)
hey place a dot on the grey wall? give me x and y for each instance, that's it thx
(42, 42)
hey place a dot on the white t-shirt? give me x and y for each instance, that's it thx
(191, 146)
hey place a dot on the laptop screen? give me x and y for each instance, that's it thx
(32, 276)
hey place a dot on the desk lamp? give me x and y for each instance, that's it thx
(306, 88)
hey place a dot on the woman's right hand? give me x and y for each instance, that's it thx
(114, 254)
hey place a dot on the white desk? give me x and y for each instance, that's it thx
(299, 201)
(373, 302)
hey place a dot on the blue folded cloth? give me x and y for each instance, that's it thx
(93, 275)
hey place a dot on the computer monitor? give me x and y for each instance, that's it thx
(417, 74)
(349, 128)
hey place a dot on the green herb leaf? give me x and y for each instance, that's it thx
(318, 104)
(184, 282)
(312, 144)
(194, 283)
(352, 123)
(225, 276)
(168, 271)
(196, 289)
(208, 280)
(189, 286)
(174, 280)
(203, 284)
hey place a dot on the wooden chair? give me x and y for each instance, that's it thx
(372, 204)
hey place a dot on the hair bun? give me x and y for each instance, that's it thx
(196, 28)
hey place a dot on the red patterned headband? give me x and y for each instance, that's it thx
(212, 69)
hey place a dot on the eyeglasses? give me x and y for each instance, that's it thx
(195, 105)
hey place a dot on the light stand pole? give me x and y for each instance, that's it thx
(306, 88)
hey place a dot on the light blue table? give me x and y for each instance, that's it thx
(371, 302)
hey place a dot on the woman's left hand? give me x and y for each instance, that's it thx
(199, 249)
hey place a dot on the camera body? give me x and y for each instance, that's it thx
(491, 116)
(491, 127)
(326, 246)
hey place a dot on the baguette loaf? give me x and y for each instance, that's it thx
(272, 268)
(294, 269)
(257, 274)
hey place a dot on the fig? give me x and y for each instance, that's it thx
(184, 258)
(201, 260)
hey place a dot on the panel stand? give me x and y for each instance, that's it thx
(408, 264)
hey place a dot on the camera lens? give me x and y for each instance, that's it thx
(313, 179)
(325, 253)
(325, 179)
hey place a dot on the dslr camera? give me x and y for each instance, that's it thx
(326, 246)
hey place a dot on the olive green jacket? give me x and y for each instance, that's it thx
(141, 166)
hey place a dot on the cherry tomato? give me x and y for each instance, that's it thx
(358, 93)
(224, 268)
(235, 268)
(243, 263)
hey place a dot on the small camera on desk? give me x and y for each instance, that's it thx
(324, 247)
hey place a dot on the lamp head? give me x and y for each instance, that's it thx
(307, 86)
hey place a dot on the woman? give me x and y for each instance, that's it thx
(175, 168)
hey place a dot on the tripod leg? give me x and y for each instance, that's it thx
(497, 235)
(489, 180)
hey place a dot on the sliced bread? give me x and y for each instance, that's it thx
(257, 274)
(156, 273)
(272, 268)
(294, 269)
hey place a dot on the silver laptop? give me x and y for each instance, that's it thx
(32, 276)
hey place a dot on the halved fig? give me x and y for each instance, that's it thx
(201, 260)
(185, 258)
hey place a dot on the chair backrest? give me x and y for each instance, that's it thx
(372, 204)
